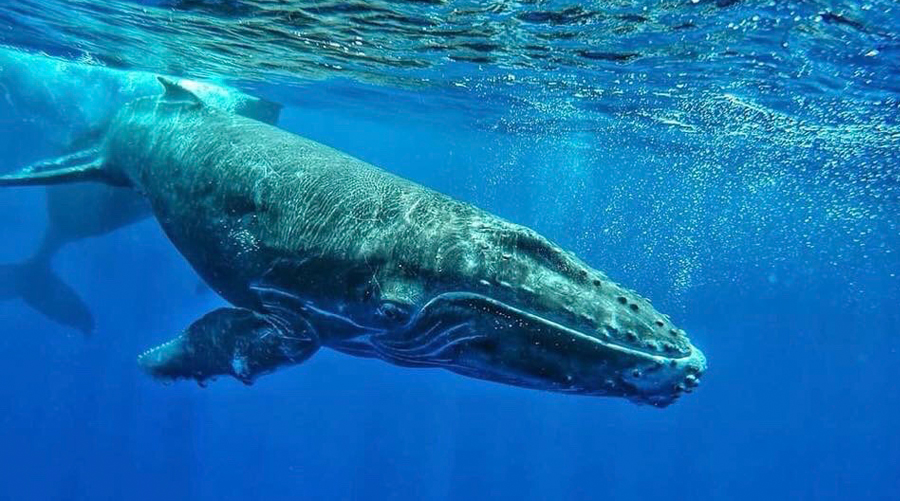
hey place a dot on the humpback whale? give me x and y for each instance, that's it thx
(314, 248)
(73, 103)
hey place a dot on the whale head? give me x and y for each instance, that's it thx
(503, 303)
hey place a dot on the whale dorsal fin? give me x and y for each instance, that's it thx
(175, 93)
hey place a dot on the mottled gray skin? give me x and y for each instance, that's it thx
(316, 248)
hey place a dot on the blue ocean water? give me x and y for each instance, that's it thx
(736, 162)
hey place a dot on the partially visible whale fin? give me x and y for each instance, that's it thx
(9, 281)
(262, 110)
(84, 165)
(228, 342)
(177, 94)
(36, 283)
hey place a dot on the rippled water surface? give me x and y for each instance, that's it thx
(772, 122)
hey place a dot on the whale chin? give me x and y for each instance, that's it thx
(481, 337)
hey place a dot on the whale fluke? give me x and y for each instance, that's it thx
(34, 279)
(41, 289)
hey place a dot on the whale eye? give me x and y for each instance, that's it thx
(394, 312)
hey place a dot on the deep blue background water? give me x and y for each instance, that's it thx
(736, 162)
(800, 401)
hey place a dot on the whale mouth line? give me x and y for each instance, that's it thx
(574, 333)
(657, 379)
(474, 334)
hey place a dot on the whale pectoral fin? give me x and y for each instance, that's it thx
(84, 165)
(228, 342)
